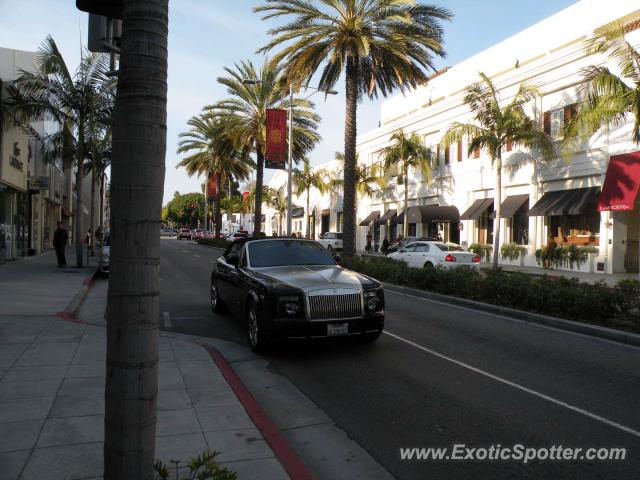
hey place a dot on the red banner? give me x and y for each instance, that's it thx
(276, 148)
(212, 185)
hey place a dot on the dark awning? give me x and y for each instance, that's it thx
(566, 202)
(389, 214)
(370, 218)
(621, 183)
(433, 214)
(476, 209)
(398, 219)
(297, 212)
(510, 206)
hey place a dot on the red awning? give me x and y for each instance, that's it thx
(621, 183)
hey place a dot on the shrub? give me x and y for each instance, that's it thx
(482, 249)
(214, 242)
(202, 466)
(566, 255)
(512, 251)
(597, 303)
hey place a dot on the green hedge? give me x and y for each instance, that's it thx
(214, 242)
(617, 307)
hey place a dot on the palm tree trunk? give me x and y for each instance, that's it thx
(217, 216)
(92, 216)
(139, 147)
(101, 203)
(308, 216)
(77, 220)
(406, 201)
(257, 215)
(498, 202)
(350, 132)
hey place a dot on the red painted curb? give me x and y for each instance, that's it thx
(293, 465)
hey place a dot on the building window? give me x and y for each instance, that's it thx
(446, 155)
(460, 151)
(576, 229)
(555, 120)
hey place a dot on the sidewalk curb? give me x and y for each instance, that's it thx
(560, 323)
(283, 451)
(71, 311)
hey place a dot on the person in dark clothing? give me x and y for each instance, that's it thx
(60, 239)
(385, 246)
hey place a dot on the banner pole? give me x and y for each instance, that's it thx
(289, 189)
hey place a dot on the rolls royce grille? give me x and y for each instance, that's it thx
(335, 306)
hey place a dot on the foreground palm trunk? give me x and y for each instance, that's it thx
(92, 215)
(350, 132)
(257, 215)
(139, 146)
(498, 202)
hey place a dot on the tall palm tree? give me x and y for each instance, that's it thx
(244, 114)
(606, 98)
(137, 180)
(496, 127)
(379, 44)
(213, 154)
(307, 178)
(407, 152)
(72, 100)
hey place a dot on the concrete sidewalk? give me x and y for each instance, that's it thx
(52, 380)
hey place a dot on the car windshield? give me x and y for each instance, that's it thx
(277, 253)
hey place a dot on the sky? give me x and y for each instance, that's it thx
(207, 35)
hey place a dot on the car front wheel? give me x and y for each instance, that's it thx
(257, 339)
(216, 303)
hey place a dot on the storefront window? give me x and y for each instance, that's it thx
(576, 229)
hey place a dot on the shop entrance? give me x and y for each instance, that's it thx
(633, 243)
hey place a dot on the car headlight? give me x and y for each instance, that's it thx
(372, 301)
(290, 305)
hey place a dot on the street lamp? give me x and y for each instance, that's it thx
(255, 81)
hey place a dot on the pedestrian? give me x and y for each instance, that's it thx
(60, 239)
(367, 248)
(88, 239)
(385, 246)
(549, 252)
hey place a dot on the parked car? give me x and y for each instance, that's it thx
(407, 240)
(103, 263)
(293, 288)
(430, 254)
(184, 233)
(237, 235)
(332, 241)
(197, 233)
(168, 232)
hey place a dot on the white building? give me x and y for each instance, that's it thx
(574, 201)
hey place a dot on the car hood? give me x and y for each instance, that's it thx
(310, 278)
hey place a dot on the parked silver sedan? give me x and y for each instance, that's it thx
(427, 254)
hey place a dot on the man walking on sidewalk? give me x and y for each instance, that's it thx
(60, 239)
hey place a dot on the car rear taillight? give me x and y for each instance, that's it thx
(476, 259)
(449, 258)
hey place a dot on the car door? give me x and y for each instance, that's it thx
(226, 273)
(406, 254)
(422, 255)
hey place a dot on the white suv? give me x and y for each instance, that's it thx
(332, 241)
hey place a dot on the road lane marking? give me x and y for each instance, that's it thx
(166, 319)
(196, 255)
(516, 320)
(573, 408)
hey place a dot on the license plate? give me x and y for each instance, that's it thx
(337, 330)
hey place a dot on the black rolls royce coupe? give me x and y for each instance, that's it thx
(293, 288)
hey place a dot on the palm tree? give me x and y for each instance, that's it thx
(276, 199)
(407, 152)
(244, 114)
(307, 178)
(72, 100)
(606, 98)
(495, 128)
(379, 44)
(214, 154)
(137, 179)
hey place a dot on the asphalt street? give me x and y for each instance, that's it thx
(445, 375)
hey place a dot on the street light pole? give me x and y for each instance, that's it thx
(289, 173)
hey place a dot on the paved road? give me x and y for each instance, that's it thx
(445, 375)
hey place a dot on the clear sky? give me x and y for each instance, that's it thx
(207, 35)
